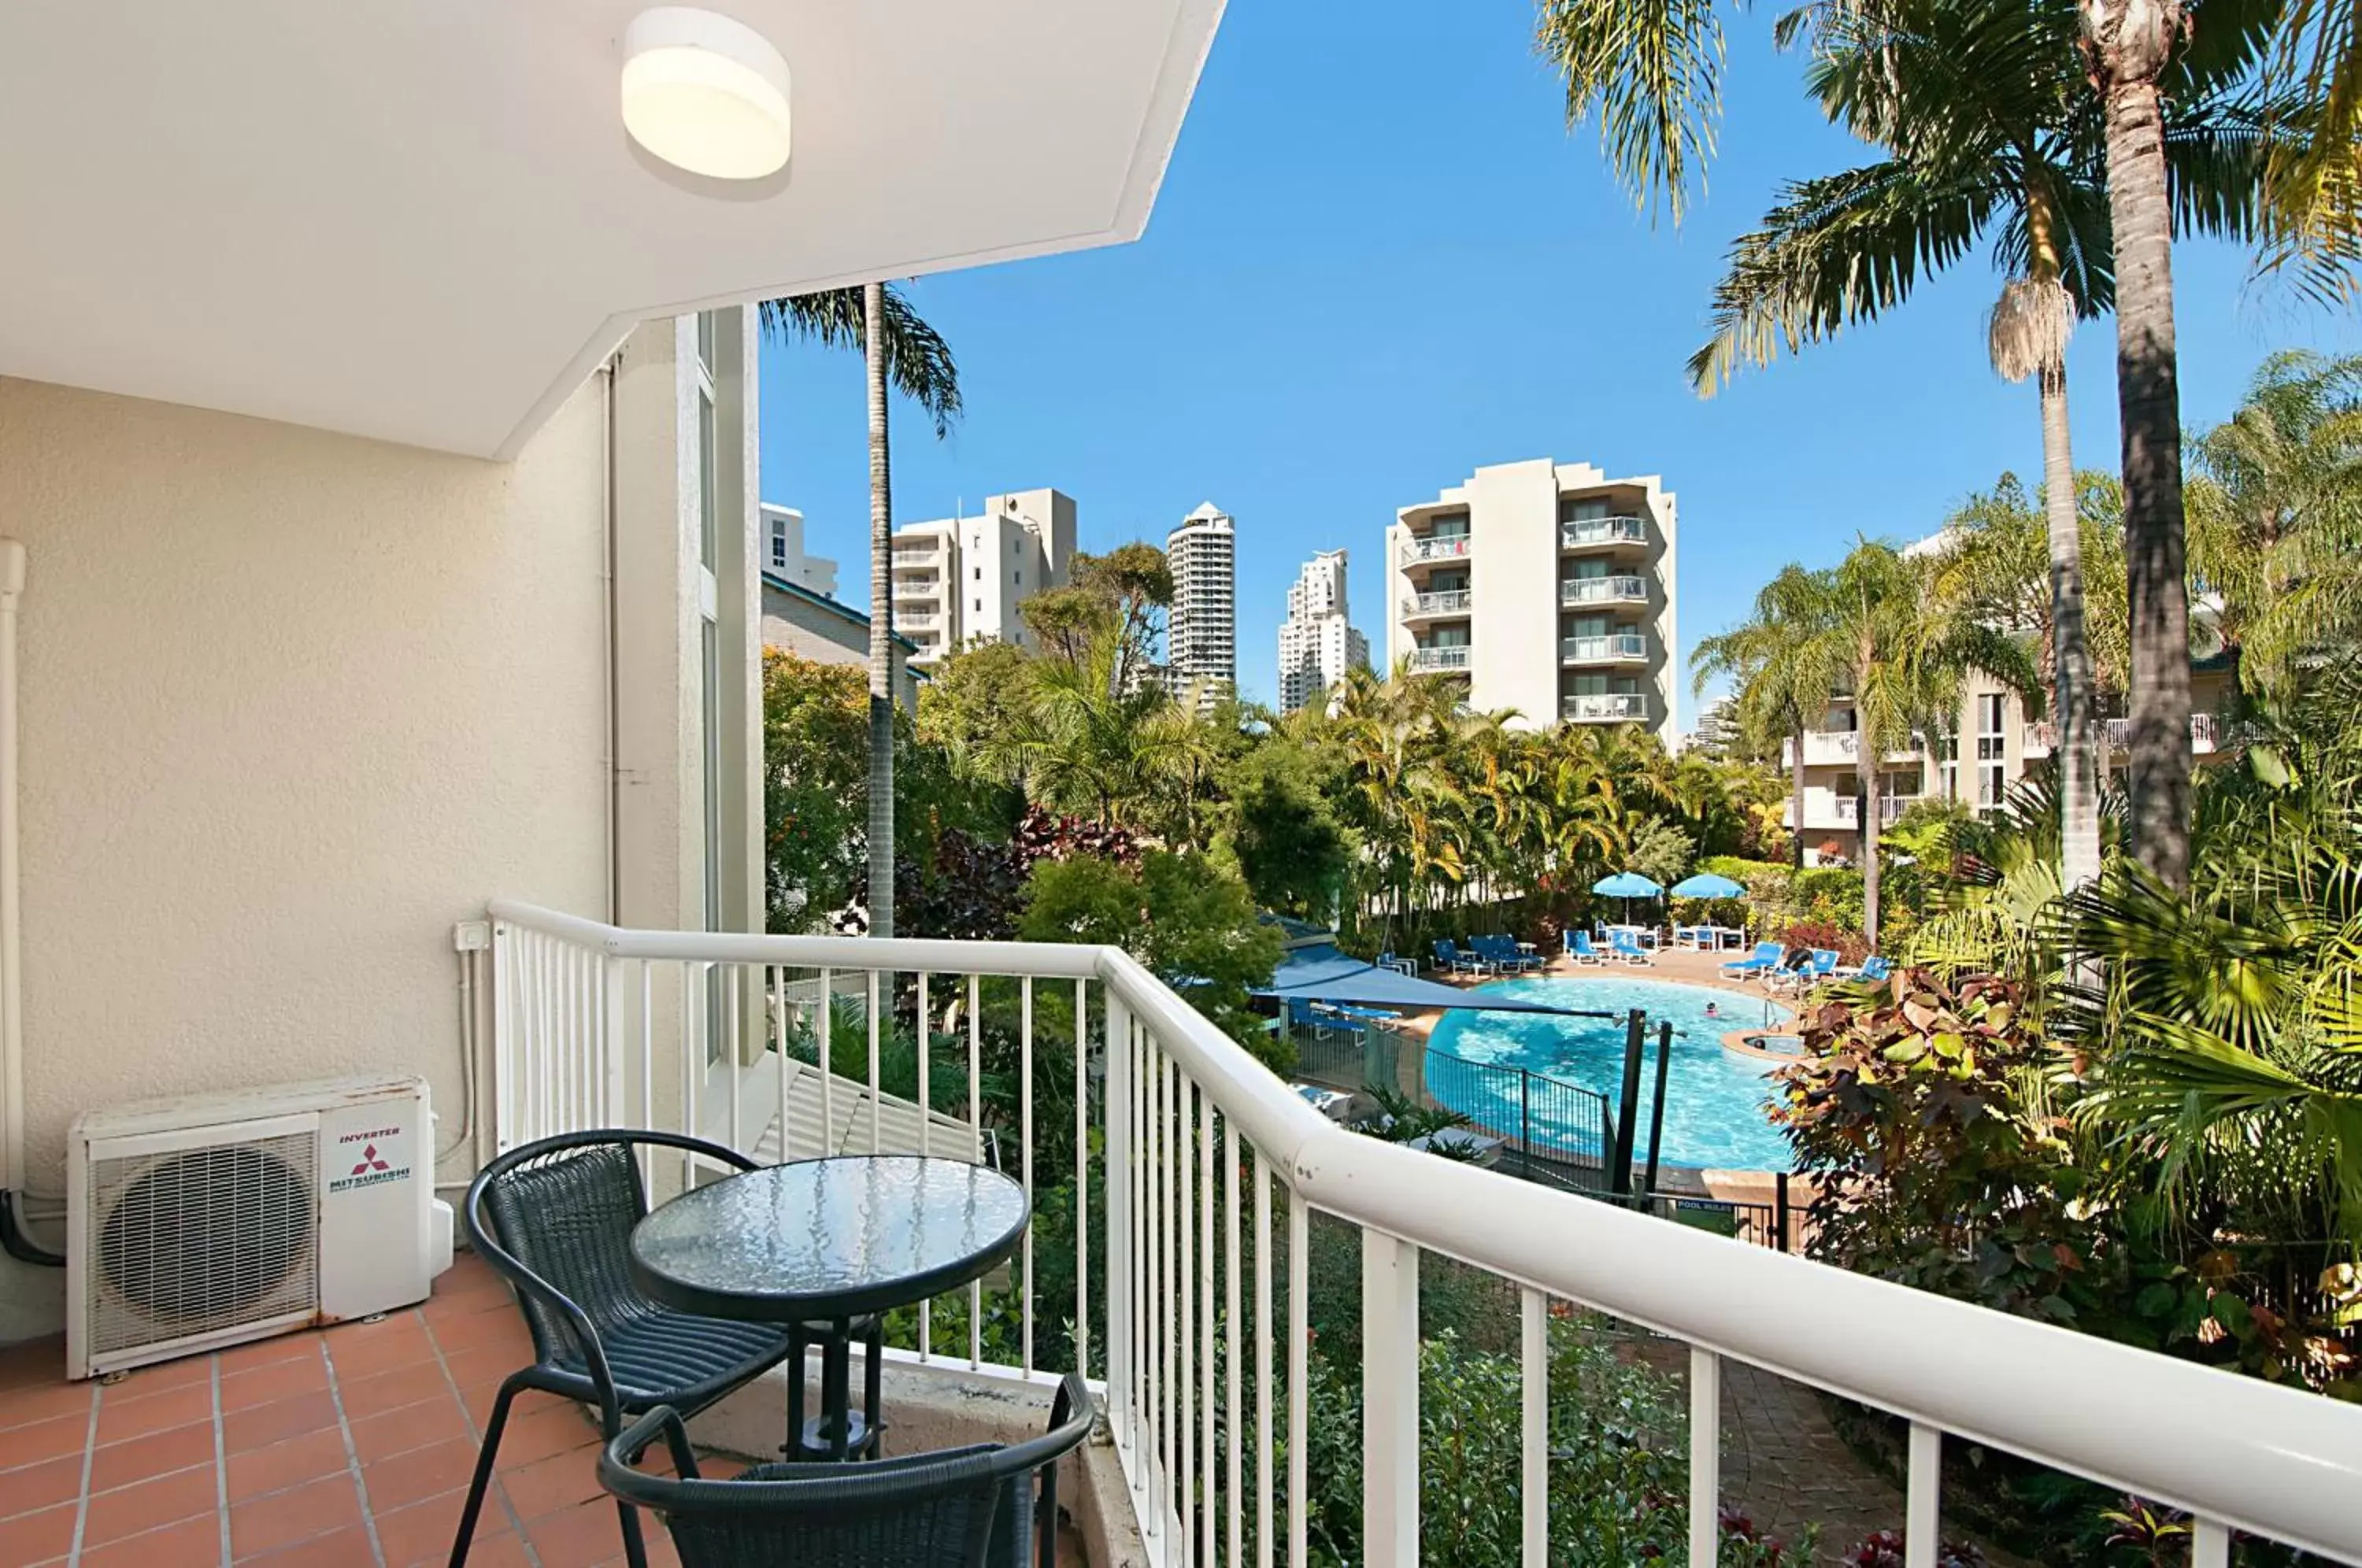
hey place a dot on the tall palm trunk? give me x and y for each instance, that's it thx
(2070, 651)
(1797, 793)
(2129, 43)
(881, 623)
(1865, 764)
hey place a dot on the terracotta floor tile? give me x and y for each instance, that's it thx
(123, 1415)
(259, 1471)
(587, 1533)
(379, 1438)
(36, 1537)
(22, 1406)
(366, 1350)
(317, 1508)
(38, 1440)
(539, 1490)
(188, 1371)
(277, 1380)
(499, 1326)
(193, 1543)
(151, 1504)
(495, 1552)
(366, 1396)
(422, 1472)
(338, 1548)
(536, 1435)
(41, 1485)
(478, 1375)
(158, 1453)
(266, 1353)
(263, 1425)
(422, 1531)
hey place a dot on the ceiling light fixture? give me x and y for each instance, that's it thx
(705, 94)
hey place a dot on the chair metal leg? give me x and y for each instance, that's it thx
(485, 1455)
(873, 1359)
(635, 1551)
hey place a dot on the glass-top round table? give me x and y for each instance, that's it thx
(819, 1243)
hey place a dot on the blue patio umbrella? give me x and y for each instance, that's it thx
(1706, 885)
(1626, 886)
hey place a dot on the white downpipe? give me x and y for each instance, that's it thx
(12, 967)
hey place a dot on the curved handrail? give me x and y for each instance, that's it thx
(2277, 1461)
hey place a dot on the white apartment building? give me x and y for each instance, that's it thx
(1991, 746)
(1548, 586)
(1202, 642)
(1317, 644)
(958, 581)
(785, 558)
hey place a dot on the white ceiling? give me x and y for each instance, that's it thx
(421, 220)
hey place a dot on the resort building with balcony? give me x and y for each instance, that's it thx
(1549, 587)
(784, 556)
(1318, 643)
(959, 580)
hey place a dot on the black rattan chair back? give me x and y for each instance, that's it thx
(968, 1508)
(568, 1217)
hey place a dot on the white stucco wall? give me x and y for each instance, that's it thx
(293, 703)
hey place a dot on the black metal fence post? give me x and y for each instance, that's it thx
(1780, 1210)
(1619, 1174)
(1656, 1117)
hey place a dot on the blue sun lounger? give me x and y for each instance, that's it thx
(1767, 956)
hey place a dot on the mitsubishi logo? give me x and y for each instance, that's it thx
(370, 1162)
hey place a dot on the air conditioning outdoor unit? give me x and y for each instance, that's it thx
(204, 1220)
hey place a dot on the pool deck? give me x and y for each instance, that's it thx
(1680, 967)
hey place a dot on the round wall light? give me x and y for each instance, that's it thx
(705, 94)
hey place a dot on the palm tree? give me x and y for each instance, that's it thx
(1783, 668)
(1903, 649)
(1654, 76)
(1982, 113)
(2276, 520)
(899, 348)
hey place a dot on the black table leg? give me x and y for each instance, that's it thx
(835, 1395)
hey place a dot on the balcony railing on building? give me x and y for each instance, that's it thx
(1605, 707)
(1436, 547)
(1426, 661)
(1450, 602)
(1179, 1282)
(1581, 533)
(1617, 590)
(2042, 735)
(1614, 648)
(1845, 810)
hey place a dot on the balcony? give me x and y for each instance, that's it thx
(2041, 736)
(1834, 748)
(1605, 708)
(1190, 1161)
(1437, 661)
(1844, 812)
(1424, 606)
(1619, 590)
(1589, 533)
(1618, 647)
(1435, 547)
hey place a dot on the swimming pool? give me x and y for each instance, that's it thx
(1714, 1098)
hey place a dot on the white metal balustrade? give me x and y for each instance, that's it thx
(1426, 661)
(1446, 601)
(1436, 547)
(1616, 648)
(1579, 532)
(1618, 590)
(1208, 1160)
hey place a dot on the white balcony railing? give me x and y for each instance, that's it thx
(1605, 707)
(1845, 810)
(1614, 648)
(1188, 1160)
(2042, 735)
(1451, 601)
(1427, 661)
(1436, 547)
(1581, 533)
(1618, 590)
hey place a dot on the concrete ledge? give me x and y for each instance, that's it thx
(947, 1406)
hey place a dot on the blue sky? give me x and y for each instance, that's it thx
(1379, 260)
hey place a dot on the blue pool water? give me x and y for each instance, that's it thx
(1714, 1098)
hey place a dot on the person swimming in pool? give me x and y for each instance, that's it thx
(1713, 1010)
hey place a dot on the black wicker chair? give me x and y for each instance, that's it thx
(962, 1508)
(555, 1218)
